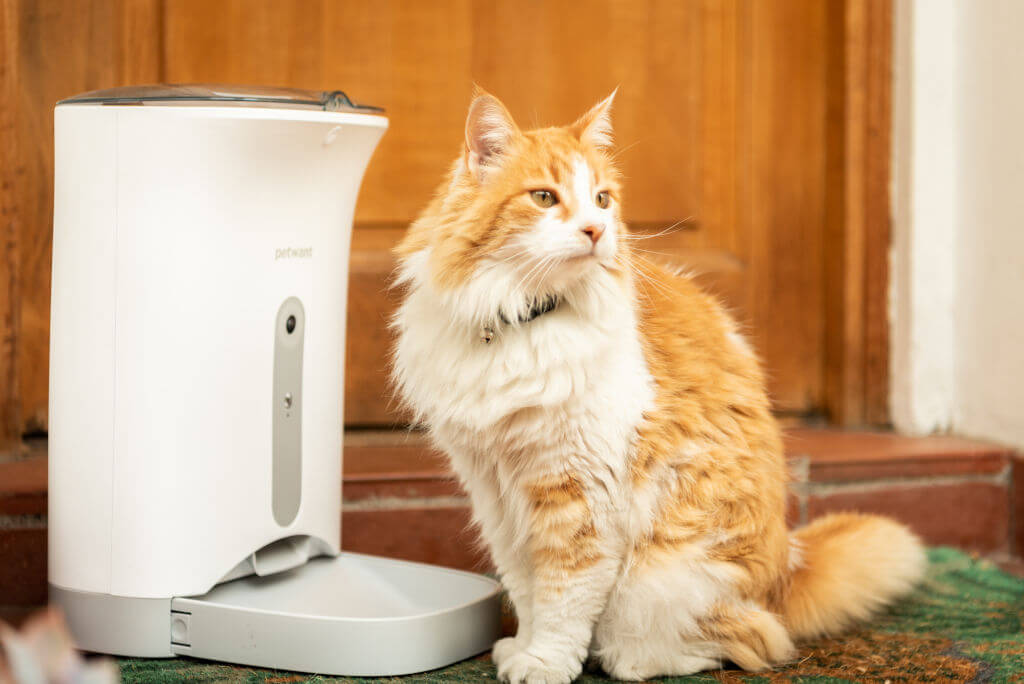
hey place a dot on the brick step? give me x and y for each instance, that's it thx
(400, 501)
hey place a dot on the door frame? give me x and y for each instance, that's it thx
(858, 213)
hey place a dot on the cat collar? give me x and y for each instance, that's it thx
(538, 308)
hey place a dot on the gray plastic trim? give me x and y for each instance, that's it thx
(352, 615)
(289, 340)
(223, 94)
(119, 625)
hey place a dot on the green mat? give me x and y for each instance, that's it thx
(962, 625)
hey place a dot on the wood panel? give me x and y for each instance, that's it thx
(757, 126)
(786, 192)
(369, 398)
(720, 122)
(856, 369)
(10, 408)
(876, 152)
(60, 48)
(411, 57)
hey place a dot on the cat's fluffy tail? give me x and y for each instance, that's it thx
(847, 565)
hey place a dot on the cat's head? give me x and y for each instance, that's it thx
(526, 214)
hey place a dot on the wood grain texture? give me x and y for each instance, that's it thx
(63, 48)
(878, 212)
(720, 122)
(369, 399)
(734, 117)
(411, 57)
(858, 224)
(10, 407)
(785, 195)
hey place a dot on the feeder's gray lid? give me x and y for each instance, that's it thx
(220, 95)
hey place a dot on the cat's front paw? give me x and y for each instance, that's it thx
(523, 667)
(504, 649)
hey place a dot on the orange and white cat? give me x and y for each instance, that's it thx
(611, 427)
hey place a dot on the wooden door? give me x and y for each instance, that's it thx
(733, 123)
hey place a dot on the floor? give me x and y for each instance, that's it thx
(962, 625)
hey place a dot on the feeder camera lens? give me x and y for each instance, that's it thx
(289, 325)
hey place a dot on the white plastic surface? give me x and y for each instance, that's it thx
(172, 232)
(349, 615)
(82, 359)
(178, 233)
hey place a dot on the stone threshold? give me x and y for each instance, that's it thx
(399, 499)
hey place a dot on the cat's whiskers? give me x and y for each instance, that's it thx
(552, 262)
(665, 231)
(651, 251)
(524, 280)
(524, 283)
(547, 272)
(526, 249)
(647, 278)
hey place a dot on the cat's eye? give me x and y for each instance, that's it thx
(603, 199)
(544, 198)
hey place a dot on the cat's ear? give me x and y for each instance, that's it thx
(489, 131)
(595, 127)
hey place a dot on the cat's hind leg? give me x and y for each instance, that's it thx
(751, 637)
(649, 626)
(635, 660)
(682, 617)
(748, 635)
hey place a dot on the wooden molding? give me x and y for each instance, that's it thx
(858, 210)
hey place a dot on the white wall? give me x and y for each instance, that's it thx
(921, 307)
(989, 245)
(958, 204)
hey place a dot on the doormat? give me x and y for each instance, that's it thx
(963, 624)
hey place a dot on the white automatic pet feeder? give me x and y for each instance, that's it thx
(200, 268)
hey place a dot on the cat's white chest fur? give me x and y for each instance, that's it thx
(564, 391)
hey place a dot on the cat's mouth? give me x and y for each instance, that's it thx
(591, 256)
(580, 257)
(589, 252)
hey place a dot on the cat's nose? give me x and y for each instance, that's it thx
(594, 232)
